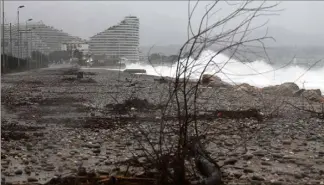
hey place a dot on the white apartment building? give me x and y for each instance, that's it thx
(36, 36)
(121, 40)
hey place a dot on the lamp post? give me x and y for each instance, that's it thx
(21, 6)
(3, 45)
(27, 55)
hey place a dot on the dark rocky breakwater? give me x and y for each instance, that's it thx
(53, 122)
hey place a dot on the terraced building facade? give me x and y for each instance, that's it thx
(121, 40)
(35, 37)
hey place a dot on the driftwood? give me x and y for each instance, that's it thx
(93, 179)
(239, 114)
(228, 114)
(162, 80)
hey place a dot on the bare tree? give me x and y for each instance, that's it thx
(180, 112)
(233, 39)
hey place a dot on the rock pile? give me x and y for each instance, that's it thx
(285, 89)
(288, 89)
(213, 81)
(313, 95)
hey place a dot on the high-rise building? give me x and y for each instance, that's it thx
(36, 36)
(121, 40)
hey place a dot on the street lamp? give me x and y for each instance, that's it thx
(21, 6)
(26, 27)
(29, 20)
(27, 41)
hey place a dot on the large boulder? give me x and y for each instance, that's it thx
(299, 92)
(208, 78)
(313, 95)
(285, 89)
(213, 81)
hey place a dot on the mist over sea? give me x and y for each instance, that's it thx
(257, 73)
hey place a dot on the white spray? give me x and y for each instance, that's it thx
(257, 73)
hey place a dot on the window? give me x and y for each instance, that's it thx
(4, 44)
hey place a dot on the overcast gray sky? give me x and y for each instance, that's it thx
(161, 22)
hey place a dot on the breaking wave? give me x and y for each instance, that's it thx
(257, 73)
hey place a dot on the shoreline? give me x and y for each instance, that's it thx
(195, 79)
(52, 122)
